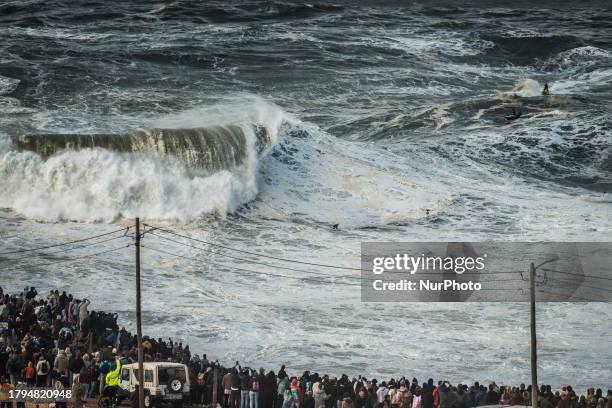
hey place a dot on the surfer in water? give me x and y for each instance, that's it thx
(545, 90)
(515, 114)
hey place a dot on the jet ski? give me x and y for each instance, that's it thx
(515, 115)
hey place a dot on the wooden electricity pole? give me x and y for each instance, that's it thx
(215, 386)
(138, 320)
(534, 350)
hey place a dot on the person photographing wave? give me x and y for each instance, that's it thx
(112, 381)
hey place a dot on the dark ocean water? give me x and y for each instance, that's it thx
(365, 71)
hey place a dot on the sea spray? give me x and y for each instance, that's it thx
(156, 175)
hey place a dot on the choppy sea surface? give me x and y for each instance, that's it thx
(388, 119)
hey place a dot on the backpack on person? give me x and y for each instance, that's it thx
(105, 367)
(45, 368)
(13, 365)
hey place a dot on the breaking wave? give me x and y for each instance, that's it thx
(213, 149)
(174, 174)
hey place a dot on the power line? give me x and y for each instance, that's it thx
(231, 268)
(64, 250)
(325, 275)
(578, 274)
(571, 297)
(302, 278)
(482, 274)
(77, 258)
(284, 259)
(580, 285)
(255, 253)
(238, 258)
(64, 243)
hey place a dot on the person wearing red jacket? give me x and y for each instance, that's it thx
(29, 373)
(295, 391)
(436, 397)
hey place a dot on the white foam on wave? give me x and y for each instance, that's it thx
(97, 185)
(329, 180)
(7, 104)
(582, 82)
(578, 70)
(583, 69)
(577, 58)
(525, 88)
(58, 33)
(241, 108)
(100, 186)
(7, 85)
(443, 42)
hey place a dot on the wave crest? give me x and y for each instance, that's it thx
(213, 148)
(161, 174)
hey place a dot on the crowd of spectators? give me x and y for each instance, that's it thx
(55, 340)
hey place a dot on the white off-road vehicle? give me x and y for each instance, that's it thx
(163, 383)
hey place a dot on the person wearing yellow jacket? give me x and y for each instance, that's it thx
(112, 380)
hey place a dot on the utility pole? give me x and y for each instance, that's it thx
(534, 350)
(534, 345)
(138, 320)
(215, 385)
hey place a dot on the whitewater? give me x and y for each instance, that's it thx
(387, 120)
